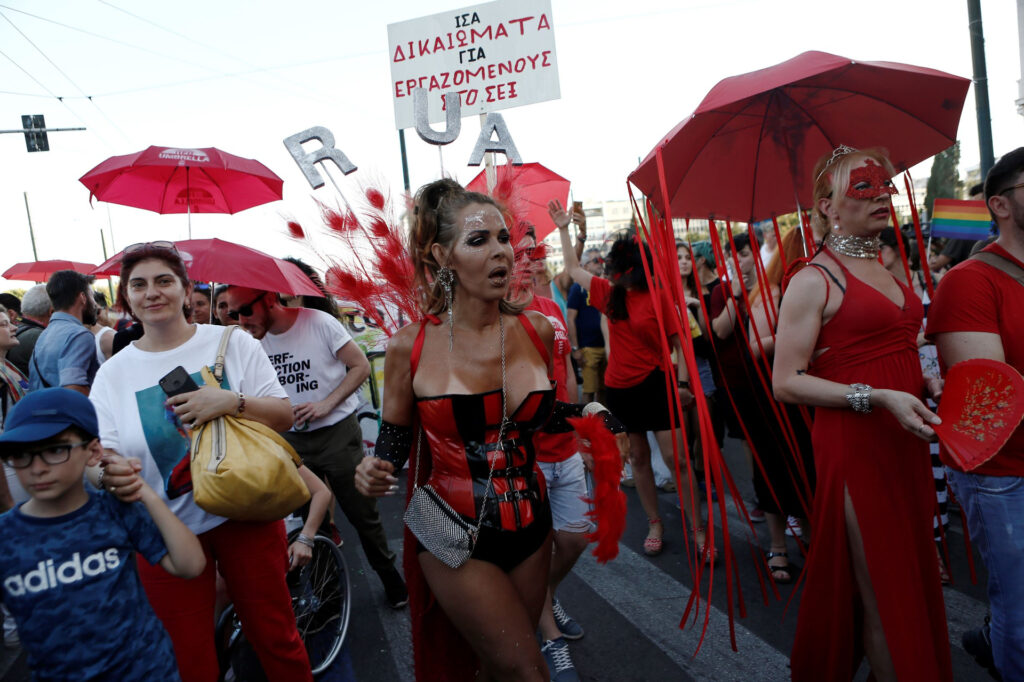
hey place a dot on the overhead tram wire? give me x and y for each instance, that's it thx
(204, 67)
(217, 76)
(67, 77)
(25, 94)
(54, 95)
(213, 48)
(107, 38)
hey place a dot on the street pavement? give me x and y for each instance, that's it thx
(631, 608)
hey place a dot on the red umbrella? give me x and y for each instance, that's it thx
(216, 260)
(170, 180)
(40, 270)
(532, 187)
(748, 150)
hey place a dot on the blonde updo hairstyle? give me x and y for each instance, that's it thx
(829, 176)
(435, 215)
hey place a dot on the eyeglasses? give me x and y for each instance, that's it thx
(245, 310)
(162, 244)
(1010, 189)
(52, 454)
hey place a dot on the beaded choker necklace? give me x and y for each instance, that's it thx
(855, 247)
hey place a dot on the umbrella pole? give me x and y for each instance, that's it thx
(800, 226)
(188, 202)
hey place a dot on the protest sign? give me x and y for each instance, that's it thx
(496, 55)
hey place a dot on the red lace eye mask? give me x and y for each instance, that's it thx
(868, 182)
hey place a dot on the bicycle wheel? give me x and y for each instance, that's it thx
(321, 600)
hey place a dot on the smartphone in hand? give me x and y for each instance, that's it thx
(177, 381)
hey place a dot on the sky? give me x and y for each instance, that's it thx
(242, 76)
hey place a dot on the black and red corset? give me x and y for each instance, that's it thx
(461, 432)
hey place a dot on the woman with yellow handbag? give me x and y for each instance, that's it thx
(148, 401)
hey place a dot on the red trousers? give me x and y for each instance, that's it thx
(252, 558)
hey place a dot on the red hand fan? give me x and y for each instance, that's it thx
(982, 404)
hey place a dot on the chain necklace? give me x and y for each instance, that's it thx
(855, 247)
(501, 428)
(474, 531)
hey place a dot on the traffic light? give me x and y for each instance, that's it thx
(35, 141)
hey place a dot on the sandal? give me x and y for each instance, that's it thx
(702, 549)
(653, 546)
(788, 569)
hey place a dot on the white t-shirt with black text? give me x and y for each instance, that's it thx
(135, 422)
(307, 364)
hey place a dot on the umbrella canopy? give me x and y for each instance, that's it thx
(532, 186)
(748, 151)
(170, 180)
(40, 270)
(216, 260)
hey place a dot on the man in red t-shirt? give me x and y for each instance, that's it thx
(978, 312)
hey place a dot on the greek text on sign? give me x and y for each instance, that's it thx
(496, 55)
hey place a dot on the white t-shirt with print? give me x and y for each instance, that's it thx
(306, 360)
(135, 422)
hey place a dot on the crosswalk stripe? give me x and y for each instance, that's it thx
(653, 602)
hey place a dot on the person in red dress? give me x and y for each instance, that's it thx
(848, 325)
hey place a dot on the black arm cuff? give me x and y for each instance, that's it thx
(564, 411)
(394, 443)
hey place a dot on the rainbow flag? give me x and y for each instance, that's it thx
(957, 219)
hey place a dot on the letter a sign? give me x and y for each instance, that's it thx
(497, 55)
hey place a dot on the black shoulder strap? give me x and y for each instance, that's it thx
(39, 372)
(830, 275)
(1004, 265)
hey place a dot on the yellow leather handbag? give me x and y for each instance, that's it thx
(242, 469)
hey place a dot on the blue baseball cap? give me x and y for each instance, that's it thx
(43, 414)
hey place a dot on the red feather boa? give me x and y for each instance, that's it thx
(609, 502)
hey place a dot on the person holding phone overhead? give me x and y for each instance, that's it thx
(145, 431)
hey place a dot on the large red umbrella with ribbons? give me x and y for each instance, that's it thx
(528, 188)
(175, 180)
(216, 260)
(40, 270)
(747, 152)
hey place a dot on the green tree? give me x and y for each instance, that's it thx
(944, 182)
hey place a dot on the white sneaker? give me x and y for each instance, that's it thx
(793, 528)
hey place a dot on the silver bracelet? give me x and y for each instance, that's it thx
(99, 479)
(860, 398)
(305, 540)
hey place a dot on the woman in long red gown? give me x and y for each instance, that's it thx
(847, 325)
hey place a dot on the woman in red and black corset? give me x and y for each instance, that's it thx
(475, 375)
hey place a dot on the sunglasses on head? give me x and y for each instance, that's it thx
(245, 310)
(162, 244)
